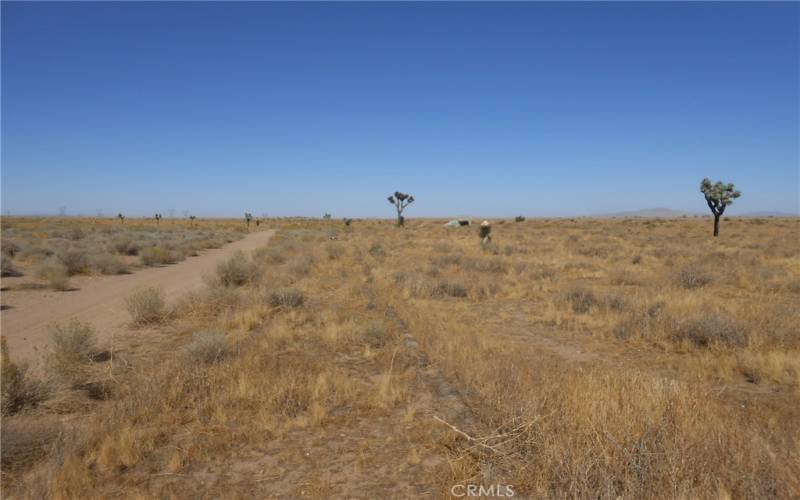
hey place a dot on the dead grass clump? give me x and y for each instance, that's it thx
(107, 264)
(450, 259)
(56, 275)
(208, 346)
(19, 389)
(491, 265)
(287, 297)
(376, 250)
(581, 300)
(334, 251)
(124, 245)
(710, 329)
(693, 276)
(447, 288)
(73, 348)
(7, 267)
(154, 256)
(623, 277)
(75, 261)
(376, 335)
(237, 270)
(146, 306)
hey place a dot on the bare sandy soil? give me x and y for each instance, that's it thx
(27, 314)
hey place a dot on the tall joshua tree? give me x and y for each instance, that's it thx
(121, 218)
(191, 219)
(400, 202)
(247, 218)
(718, 196)
(157, 217)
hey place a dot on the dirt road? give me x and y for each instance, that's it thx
(100, 300)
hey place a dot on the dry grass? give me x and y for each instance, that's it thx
(587, 359)
(146, 307)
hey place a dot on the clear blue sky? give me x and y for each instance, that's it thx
(475, 108)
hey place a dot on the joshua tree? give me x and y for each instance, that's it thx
(718, 196)
(157, 217)
(192, 218)
(247, 218)
(121, 218)
(400, 202)
(327, 216)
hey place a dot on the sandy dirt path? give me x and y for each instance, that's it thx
(27, 314)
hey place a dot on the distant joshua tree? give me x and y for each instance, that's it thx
(157, 217)
(327, 216)
(121, 218)
(247, 218)
(400, 202)
(192, 218)
(718, 196)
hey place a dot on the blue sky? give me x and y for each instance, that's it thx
(491, 109)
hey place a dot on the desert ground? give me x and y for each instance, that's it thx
(580, 358)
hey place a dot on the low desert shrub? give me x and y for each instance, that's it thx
(376, 250)
(714, 328)
(107, 264)
(449, 289)
(73, 345)
(450, 259)
(7, 267)
(208, 346)
(55, 273)
(334, 251)
(376, 335)
(287, 297)
(581, 300)
(17, 388)
(75, 261)
(693, 276)
(10, 248)
(237, 270)
(146, 306)
(154, 256)
(124, 245)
